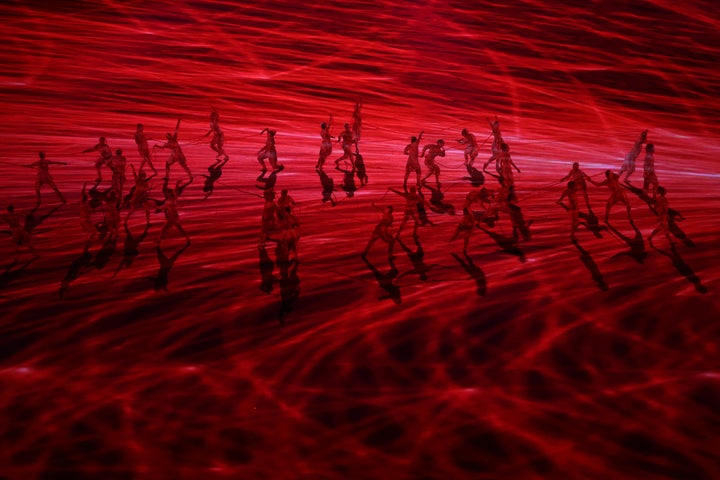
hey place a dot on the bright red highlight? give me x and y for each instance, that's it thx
(537, 359)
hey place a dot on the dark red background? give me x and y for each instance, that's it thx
(527, 370)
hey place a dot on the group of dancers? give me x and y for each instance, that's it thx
(101, 205)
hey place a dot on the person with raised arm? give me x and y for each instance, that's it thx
(44, 177)
(326, 145)
(413, 161)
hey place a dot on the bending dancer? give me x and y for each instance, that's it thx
(268, 151)
(20, 236)
(579, 177)
(429, 153)
(105, 155)
(628, 165)
(44, 177)
(143, 148)
(172, 219)
(617, 193)
(413, 162)
(218, 138)
(471, 149)
(465, 228)
(649, 177)
(572, 207)
(382, 232)
(176, 155)
(346, 139)
(326, 145)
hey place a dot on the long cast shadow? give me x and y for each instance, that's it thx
(592, 267)
(289, 283)
(160, 282)
(682, 267)
(85, 260)
(386, 281)
(214, 174)
(636, 244)
(475, 272)
(417, 258)
(506, 244)
(589, 221)
(328, 187)
(33, 221)
(267, 266)
(131, 247)
(10, 274)
(674, 216)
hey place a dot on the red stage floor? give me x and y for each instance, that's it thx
(546, 359)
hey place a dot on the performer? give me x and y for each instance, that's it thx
(413, 163)
(218, 139)
(382, 232)
(649, 177)
(617, 193)
(268, 151)
(429, 153)
(579, 177)
(326, 145)
(143, 148)
(105, 154)
(628, 165)
(44, 177)
(471, 149)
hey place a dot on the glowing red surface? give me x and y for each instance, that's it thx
(520, 370)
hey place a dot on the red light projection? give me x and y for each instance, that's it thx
(208, 324)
